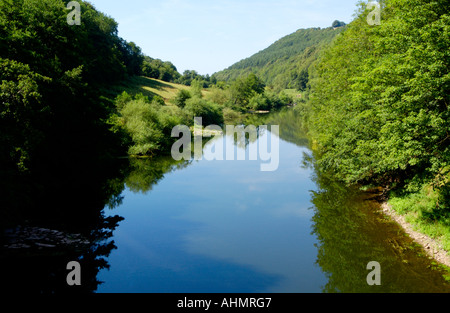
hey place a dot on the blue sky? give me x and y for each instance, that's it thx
(210, 35)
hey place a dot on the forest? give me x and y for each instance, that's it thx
(285, 63)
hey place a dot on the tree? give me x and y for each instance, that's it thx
(337, 24)
(52, 77)
(156, 68)
(208, 111)
(244, 88)
(132, 56)
(21, 113)
(196, 88)
(303, 79)
(181, 98)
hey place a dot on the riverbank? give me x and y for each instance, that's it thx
(431, 246)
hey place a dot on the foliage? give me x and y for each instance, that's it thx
(181, 98)
(379, 107)
(20, 100)
(337, 23)
(378, 110)
(244, 88)
(196, 88)
(218, 95)
(51, 74)
(285, 63)
(210, 112)
(232, 117)
(148, 124)
(155, 68)
(189, 76)
(259, 102)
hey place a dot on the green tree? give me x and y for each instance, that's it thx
(196, 88)
(259, 102)
(149, 125)
(182, 96)
(244, 88)
(58, 72)
(337, 23)
(208, 111)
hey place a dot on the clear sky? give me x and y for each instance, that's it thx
(210, 35)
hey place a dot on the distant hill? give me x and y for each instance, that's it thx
(285, 63)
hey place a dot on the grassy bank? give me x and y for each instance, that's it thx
(149, 87)
(425, 212)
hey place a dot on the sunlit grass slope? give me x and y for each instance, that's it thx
(149, 87)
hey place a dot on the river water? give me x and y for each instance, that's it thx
(226, 226)
(205, 225)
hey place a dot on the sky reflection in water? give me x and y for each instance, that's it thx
(219, 226)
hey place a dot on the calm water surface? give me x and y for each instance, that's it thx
(225, 226)
(157, 225)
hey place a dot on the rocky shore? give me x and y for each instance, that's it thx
(430, 245)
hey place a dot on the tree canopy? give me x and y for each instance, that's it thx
(379, 97)
(285, 63)
(51, 74)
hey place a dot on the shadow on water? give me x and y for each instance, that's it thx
(56, 215)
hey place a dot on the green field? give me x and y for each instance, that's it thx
(149, 87)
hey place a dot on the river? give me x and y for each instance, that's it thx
(227, 226)
(202, 225)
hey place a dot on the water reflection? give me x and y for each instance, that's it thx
(352, 232)
(210, 226)
(219, 226)
(145, 173)
(225, 226)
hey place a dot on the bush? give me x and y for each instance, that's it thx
(259, 102)
(158, 100)
(149, 125)
(209, 111)
(181, 98)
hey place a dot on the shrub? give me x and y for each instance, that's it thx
(259, 102)
(181, 98)
(209, 111)
(149, 125)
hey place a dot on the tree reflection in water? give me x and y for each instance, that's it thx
(352, 231)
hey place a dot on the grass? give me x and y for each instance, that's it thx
(149, 87)
(421, 212)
